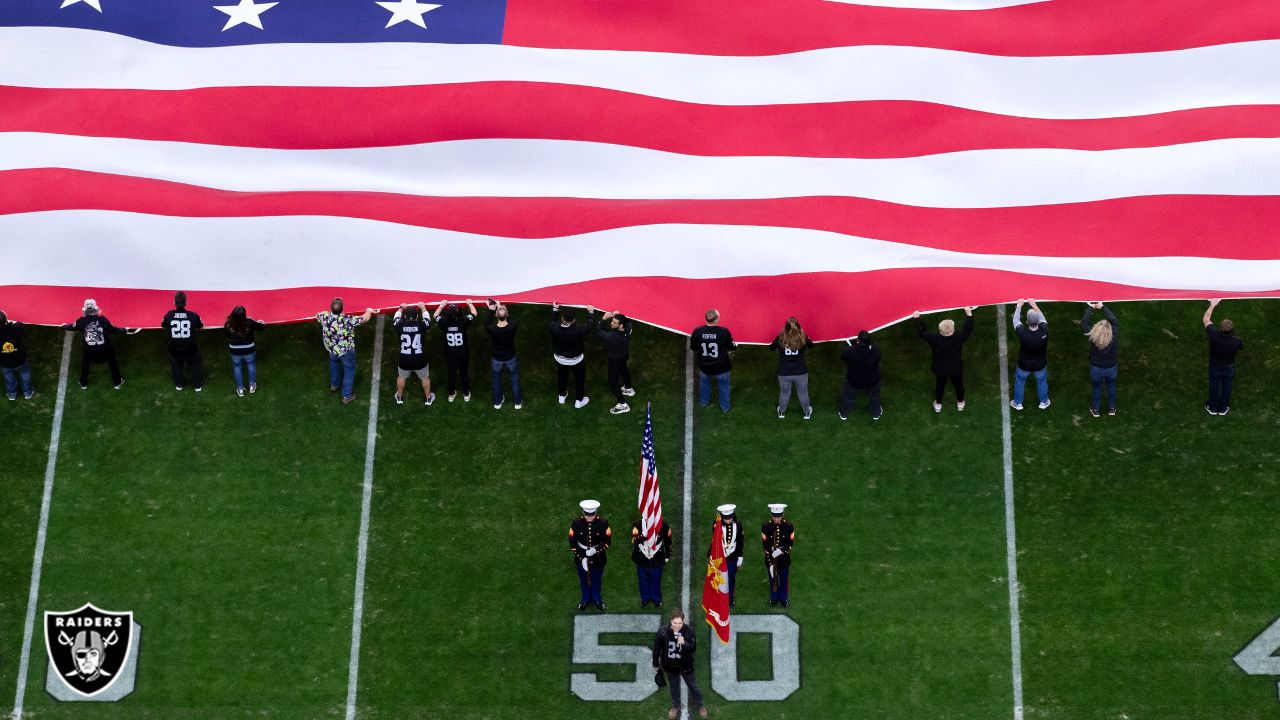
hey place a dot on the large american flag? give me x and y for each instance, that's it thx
(649, 501)
(846, 163)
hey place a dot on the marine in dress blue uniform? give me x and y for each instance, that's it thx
(589, 538)
(733, 538)
(778, 536)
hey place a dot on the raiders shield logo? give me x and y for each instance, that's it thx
(89, 648)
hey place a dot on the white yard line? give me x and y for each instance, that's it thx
(362, 547)
(686, 549)
(43, 528)
(1010, 533)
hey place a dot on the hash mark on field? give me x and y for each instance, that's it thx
(42, 529)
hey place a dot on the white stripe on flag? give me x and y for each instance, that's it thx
(141, 246)
(560, 168)
(1096, 86)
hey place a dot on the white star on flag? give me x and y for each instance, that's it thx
(410, 10)
(246, 12)
(91, 3)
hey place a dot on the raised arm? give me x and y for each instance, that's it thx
(1208, 313)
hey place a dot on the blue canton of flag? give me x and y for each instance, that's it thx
(213, 23)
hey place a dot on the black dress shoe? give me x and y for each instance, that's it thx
(733, 601)
(771, 604)
(601, 606)
(657, 603)
(786, 603)
(582, 606)
(644, 603)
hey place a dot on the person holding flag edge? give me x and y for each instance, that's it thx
(650, 535)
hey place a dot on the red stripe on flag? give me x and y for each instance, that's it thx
(754, 308)
(1056, 27)
(302, 118)
(1182, 225)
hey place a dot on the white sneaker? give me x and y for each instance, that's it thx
(121, 384)
(619, 409)
(399, 399)
(178, 388)
(498, 405)
(1015, 405)
(431, 398)
(466, 397)
(628, 392)
(781, 414)
(452, 395)
(240, 392)
(579, 404)
(252, 388)
(808, 414)
(563, 398)
(202, 388)
(960, 406)
(517, 406)
(877, 417)
(1044, 403)
(937, 407)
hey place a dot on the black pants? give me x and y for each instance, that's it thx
(579, 379)
(849, 395)
(97, 356)
(673, 684)
(619, 377)
(191, 360)
(459, 372)
(1221, 378)
(940, 384)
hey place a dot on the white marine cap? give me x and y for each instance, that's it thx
(589, 506)
(777, 508)
(727, 509)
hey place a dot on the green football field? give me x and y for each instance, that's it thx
(1145, 543)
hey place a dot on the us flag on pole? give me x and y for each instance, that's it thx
(665, 156)
(650, 500)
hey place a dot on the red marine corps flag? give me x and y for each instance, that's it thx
(715, 591)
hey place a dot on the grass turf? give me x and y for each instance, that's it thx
(228, 524)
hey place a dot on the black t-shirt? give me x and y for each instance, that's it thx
(13, 352)
(712, 344)
(453, 332)
(180, 327)
(502, 340)
(94, 330)
(1033, 347)
(791, 362)
(670, 654)
(412, 338)
(1222, 348)
(862, 365)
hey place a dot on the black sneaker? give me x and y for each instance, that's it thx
(1094, 412)
(1225, 410)
(1206, 409)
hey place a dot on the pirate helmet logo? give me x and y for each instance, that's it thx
(88, 647)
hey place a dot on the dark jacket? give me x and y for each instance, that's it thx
(1033, 345)
(13, 352)
(863, 363)
(1106, 357)
(566, 341)
(672, 656)
(659, 558)
(617, 343)
(947, 360)
(241, 342)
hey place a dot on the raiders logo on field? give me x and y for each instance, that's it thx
(92, 652)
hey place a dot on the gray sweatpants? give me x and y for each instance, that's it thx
(801, 383)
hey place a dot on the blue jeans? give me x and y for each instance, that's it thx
(722, 388)
(589, 582)
(1220, 380)
(11, 378)
(248, 361)
(650, 581)
(1100, 375)
(510, 365)
(1020, 380)
(344, 367)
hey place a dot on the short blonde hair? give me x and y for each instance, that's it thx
(947, 327)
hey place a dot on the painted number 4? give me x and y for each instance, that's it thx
(1260, 657)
